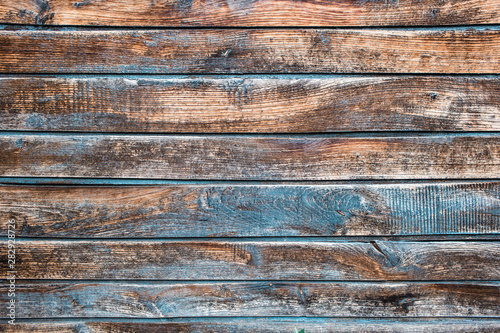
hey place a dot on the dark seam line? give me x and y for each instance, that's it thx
(190, 319)
(322, 134)
(225, 75)
(334, 134)
(14, 180)
(72, 27)
(229, 73)
(248, 281)
(444, 238)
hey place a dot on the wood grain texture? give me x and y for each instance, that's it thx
(250, 104)
(252, 325)
(251, 51)
(160, 300)
(252, 210)
(195, 13)
(262, 260)
(250, 157)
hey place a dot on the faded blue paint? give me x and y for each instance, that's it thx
(37, 121)
(211, 209)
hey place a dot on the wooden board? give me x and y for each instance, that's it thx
(261, 260)
(251, 51)
(195, 13)
(252, 325)
(250, 104)
(250, 157)
(252, 210)
(160, 300)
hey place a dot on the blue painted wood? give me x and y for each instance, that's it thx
(337, 227)
(252, 210)
(289, 299)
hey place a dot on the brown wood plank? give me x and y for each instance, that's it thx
(250, 104)
(250, 157)
(263, 260)
(252, 210)
(251, 51)
(252, 325)
(160, 300)
(249, 13)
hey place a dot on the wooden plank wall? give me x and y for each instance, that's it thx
(250, 166)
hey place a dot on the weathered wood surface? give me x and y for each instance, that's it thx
(252, 210)
(160, 300)
(225, 325)
(215, 280)
(250, 104)
(183, 13)
(251, 51)
(262, 260)
(250, 157)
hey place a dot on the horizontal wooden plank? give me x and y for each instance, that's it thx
(252, 325)
(250, 104)
(252, 210)
(251, 51)
(249, 13)
(263, 260)
(250, 157)
(160, 300)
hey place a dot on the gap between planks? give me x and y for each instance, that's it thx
(242, 13)
(254, 324)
